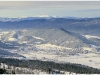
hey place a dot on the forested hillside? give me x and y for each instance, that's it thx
(50, 67)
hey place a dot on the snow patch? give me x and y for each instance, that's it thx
(20, 37)
(41, 16)
(90, 36)
(12, 39)
(38, 42)
(87, 48)
(24, 30)
(50, 46)
(4, 32)
(38, 38)
(69, 41)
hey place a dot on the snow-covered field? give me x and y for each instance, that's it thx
(50, 45)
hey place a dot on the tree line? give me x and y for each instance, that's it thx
(50, 67)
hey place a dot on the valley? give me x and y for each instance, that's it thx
(50, 44)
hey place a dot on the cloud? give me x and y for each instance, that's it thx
(89, 10)
(47, 4)
(57, 8)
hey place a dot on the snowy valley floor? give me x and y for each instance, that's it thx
(90, 59)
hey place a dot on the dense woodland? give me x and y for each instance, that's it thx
(2, 71)
(49, 67)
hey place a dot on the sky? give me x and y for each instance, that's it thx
(49, 8)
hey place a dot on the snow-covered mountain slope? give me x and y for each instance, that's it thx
(53, 36)
(51, 44)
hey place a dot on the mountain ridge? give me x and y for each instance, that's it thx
(68, 24)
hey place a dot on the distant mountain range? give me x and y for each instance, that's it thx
(79, 25)
(32, 18)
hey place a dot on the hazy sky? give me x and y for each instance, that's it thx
(50, 8)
